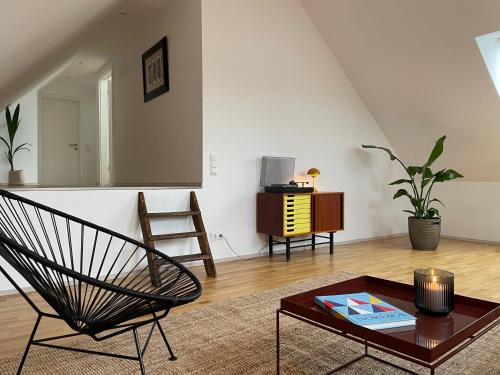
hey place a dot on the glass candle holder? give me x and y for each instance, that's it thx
(433, 290)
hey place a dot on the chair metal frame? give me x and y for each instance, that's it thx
(92, 302)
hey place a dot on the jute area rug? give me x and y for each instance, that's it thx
(237, 336)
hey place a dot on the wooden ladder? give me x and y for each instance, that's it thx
(199, 232)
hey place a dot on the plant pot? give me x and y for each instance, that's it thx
(424, 233)
(16, 178)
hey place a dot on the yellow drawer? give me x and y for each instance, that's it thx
(287, 205)
(297, 210)
(292, 226)
(297, 198)
(295, 220)
(297, 231)
(298, 215)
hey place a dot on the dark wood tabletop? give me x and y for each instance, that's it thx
(431, 337)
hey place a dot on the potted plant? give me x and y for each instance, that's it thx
(424, 226)
(16, 177)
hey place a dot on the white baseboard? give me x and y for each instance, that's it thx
(302, 248)
(471, 240)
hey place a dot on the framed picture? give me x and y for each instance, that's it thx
(155, 70)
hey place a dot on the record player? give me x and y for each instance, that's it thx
(291, 187)
(275, 172)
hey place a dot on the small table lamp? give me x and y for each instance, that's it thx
(313, 172)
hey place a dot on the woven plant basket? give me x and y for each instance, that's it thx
(424, 233)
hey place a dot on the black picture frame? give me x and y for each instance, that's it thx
(155, 80)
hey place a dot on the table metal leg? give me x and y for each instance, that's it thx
(313, 242)
(277, 342)
(270, 245)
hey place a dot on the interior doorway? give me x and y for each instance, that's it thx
(59, 141)
(105, 90)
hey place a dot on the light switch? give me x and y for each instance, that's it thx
(213, 165)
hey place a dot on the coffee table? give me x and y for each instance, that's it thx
(430, 343)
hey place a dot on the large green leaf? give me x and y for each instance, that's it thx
(427, 176)
(391, 155)
(400, 181)
(22, 147)
(427, 173)
(447, 175)
(8, 116)
(401, 193)
(15, 121)
(431, 212)
(410, 212)
(436, 151)
(416, 202)
(424, 183)
(12, 122)
(413, 170)
(6, 143)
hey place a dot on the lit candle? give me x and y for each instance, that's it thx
(433, 290)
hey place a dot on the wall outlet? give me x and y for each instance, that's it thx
(215, 236)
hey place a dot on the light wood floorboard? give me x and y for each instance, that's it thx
(476, 267)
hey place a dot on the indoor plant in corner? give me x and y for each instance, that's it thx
(424, 226)
(16, 177)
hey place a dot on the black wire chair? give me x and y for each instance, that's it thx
(94, 279)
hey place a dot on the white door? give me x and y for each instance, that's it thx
(60, 155)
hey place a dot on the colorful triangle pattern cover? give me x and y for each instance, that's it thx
(365, 310)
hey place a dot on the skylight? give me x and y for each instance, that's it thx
(489, 45)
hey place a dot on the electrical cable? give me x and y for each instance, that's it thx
(235, 252)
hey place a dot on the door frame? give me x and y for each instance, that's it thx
(42, 96)
(103, 72)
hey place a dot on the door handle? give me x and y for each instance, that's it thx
(75, 145)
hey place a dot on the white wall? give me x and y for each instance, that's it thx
(472, 210)
(270, 87)
(160, 142)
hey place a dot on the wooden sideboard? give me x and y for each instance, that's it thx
(287, 215)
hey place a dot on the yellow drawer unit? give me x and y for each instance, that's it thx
(296, 214)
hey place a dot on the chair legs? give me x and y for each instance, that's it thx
(172, 356)
(139, 352)
(23, 359)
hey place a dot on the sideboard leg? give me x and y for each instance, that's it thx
(288, 249)
(313, 242)
(331, 242)
(270, 245)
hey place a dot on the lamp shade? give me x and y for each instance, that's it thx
(313, 172)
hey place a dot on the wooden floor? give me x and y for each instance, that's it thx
(476, 267)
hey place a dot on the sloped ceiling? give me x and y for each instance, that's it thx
(418, 69)
(38, 36)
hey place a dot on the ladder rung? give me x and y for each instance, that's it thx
(173, 236)
(172, 214)
(186, 258)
